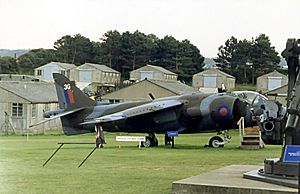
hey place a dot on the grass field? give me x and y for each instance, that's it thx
(113, 169)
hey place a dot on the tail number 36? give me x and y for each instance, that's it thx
(67, 86)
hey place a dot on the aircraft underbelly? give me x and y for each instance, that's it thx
(158, 122)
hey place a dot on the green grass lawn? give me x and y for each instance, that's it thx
(243, 87)
(112, 169)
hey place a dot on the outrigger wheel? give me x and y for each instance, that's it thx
(100, 140)
(216, 142)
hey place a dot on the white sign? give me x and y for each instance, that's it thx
(131, 138)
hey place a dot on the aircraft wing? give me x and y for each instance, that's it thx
(135, 111)
(56, 116)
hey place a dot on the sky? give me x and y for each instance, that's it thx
(31, 24)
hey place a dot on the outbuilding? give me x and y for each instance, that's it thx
(152, 72)
(23, 104)
(45, 72)
(213, 78)
(89, 73)
(140, 91)
(279, 94)
(270, 81)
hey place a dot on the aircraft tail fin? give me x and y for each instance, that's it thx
(69, 96)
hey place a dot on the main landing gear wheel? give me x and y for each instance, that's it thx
(216, 142)
(168, 140)
(151, 141)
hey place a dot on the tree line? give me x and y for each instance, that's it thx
(124, 52)
(248, 59)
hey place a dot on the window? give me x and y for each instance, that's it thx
(33, 110)
(17, 109)
(114, 101)
(39, 72)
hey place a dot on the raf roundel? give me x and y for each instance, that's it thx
(223, 112)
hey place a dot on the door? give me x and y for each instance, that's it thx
(147, 74)
(85, 76)
(49, 70)
(210, 80)
(274, 82)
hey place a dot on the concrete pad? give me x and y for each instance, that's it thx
(228, 180)
(255, 175)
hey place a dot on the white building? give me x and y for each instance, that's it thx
(89, 73)
(270, 81)
(213, 78)
(45, 72)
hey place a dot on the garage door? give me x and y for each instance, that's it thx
(210, 81)
(49, 70)
(274, 82)
(85, 76)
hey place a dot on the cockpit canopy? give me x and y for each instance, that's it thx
(251, 97)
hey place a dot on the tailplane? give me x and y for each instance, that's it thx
(69, 96)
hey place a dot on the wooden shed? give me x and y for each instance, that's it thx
(152, 72)
(270, 81)
(213, 78)
(23, 104)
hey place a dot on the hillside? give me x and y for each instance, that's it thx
(12, 53)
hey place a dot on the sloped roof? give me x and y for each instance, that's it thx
(215, 70)
(100, 67)
(158, 68)
(273, 73)
(275, 90)
(209, 61)
(226, 74)
(66, 66)
(139, 93)
(174, 86)
(35, 92)
(16, 77)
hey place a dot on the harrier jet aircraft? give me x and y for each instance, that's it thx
(191, 113)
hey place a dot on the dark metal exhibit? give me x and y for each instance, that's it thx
(280, 126)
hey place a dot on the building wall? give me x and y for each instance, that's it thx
(138, 91)
(40, 108)
(3, 108)
(198, 80)
(280, 92)
(50, 68)
(96, 75)
(21, 124)
(157, 75)
(230, 83)
(263, 81)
